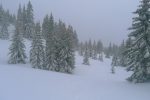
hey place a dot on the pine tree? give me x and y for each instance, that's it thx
(86, 56)
(50, 42)
(20, 20)
(90, 48)
(45, 27)
(4, 32)
(100, 50)
(4, 23)
(110, 49)
(81, 48)
(24, 21)
(139, 52)
(121, 55)
(69, 57)
(63, 49)
(94, 56)
(107, 53)
(1, 14)
(75, 40)
(29, 22)
(37, 49)
(17, 48)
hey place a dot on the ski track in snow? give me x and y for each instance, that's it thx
(93, 82)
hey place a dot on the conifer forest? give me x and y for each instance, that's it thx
(74, 50)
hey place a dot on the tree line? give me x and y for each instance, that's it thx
(5, 20)
(52, 43)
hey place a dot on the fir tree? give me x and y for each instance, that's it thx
(24, 20)
(4, 23)
(121, 55)
(50, 42)
(69, 57)
(37, 49)
(90, 48)
(4, 32)
(63, 49)
(86, 56)
(94, 56)
(139, 52)
(100, 50)
(75, 40)
(45, 26)
(81, 48)
(20, 20)
(17, 48)
(29, 22)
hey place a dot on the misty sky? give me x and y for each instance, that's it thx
(107, 20)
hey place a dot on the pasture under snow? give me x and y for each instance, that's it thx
(94, 82)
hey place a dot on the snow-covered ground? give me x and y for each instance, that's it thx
(94, 82)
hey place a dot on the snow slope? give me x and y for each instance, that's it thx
(94, 82)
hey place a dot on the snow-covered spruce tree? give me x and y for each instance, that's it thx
(1, 13)
(29, 22)
(17, 48)
(94, 56)
(100, 50)
(4, 23)
(20, 20)
(139, 52)
(37, 49)
(75, 40)
(63, 49)
(50, 42)
(86, 55)
(45, 27)
(90, 48)
(121, 55)
(107, 53)
(68, 51)
(24, 20)
(81, 48)
(4, 32)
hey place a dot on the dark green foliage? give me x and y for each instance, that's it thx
(138, 53)
(29, 20)
(37, 49)
(86, 55)
(17, 48)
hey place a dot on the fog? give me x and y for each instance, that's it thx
(107, 20)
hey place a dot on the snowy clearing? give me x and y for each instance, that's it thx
(94, 82)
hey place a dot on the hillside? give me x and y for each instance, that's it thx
(94, 82)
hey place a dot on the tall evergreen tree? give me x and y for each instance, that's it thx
(86, 55)
(90, 51)
(4, 23)
(50, 42)
(24, 20)
(94, 56)
(69, 57)
(45, 27)
(63, 49)
(75, 40)
(4, 31)
(139, 52)
(100, 50)
(81, 49)
(17, 48)
(121, 54)
(37, 49)
(20, 20)
(29, 21)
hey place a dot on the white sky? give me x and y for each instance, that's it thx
(107, 20)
